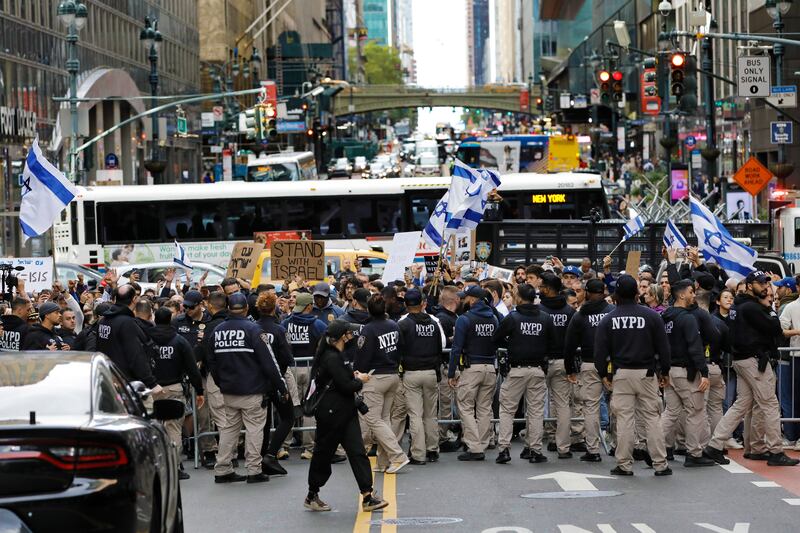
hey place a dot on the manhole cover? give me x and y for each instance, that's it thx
(416, 522)
(570, 494)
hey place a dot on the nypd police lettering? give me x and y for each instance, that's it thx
(230, 339)
(484, 330)
(594, 320)
(297, 333)
(426, 330)
(10, 340)
(530, 328)
(560, 320)
(388, 341)
(627, 322)
(166, 352)
(104, 331)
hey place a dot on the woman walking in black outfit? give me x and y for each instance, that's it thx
(337, 419)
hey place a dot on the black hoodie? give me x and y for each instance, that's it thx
(528, 333)
(123, 341)
(685, 345)
(581, 332)
(39, 338)
(754, 329)
(174, 358)
(561, 313)
(421, 342)
(354, 316)
(710, 334)
(201, 353)
(14, 331)
(633, 337)
(276, 336)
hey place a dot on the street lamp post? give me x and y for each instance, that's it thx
(711, 152)
(151, 38)
(73, 15)
(668, 142)
(776, 10)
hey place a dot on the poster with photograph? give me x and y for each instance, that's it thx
(739, 206)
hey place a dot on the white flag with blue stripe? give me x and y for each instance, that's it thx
(632, 227)
(472, 200)
(434, 230)
(45, 193)
(673, 238)
(181, 258)
(716, 243)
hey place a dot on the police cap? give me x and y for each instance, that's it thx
(627, 286)
(413, 297)
(237, 302)
(595, 286)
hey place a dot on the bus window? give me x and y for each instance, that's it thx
(89, 223)
(797, 231)
(323, 216)
(124, 222)
(273, 172)
(245, 217)
(421, 210)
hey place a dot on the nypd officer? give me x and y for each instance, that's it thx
(527, 332)
(474, 353)
(630, 346)
(688, 377)
(245, 369)
(421, 343)
(580, 335)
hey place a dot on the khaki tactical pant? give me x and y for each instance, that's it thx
(684, 396)
(213, 410)
(240, 410)
(530, 382)
(560, 392)
(300, 379)
(399, 412)
(379, 394)
(591, 392)
(636, 394)
(715, 396)
(753, 388)
(474, 394)
(446, 398)
(174, 427)
(754, 431)
(421, 390)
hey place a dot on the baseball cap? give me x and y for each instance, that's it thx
(192, 299)
(786, 282)
(361, 295)
(595, 286)
(573, 271)
(627, 286)
(302, 301)
(705, 280)
(413, 297)
(551, 280)
(473, 290)
(337, 328)
(47, 308)
(322, 289)
(757, 276)
(237, 301)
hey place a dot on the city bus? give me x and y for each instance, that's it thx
(118, 225)
(522, 153)
(290, 166)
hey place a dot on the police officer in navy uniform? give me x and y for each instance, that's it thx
(15, 324)
(446, 315)
(191, 324)
(245, 368)
(527, 332)
(631, 346)
(579, 340)
(474, 353)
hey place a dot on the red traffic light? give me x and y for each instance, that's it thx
(603, 76)
(617, 75)
(539, 101)
(310, 132)
(678, 60)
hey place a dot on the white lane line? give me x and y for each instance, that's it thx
(792, 501)
(765, 484)
(736, 468)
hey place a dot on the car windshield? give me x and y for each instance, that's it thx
(273, 172)
(50, 386)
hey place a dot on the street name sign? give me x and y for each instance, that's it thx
(754, 76)
(783, 96)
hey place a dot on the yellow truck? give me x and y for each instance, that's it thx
(563, 153)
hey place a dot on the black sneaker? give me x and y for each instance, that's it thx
(578, 447)
(647, 459)
(338, 459)
(551, 446)
(670, 454)
(666, 472)
(470, 456)
(757, 456)
(432, 457)
(692, 461)
(680, 451)
(503, 457)
(639, 454)
(525, 453)
(716, 455)
(781, 459)
(413, 461)
(258, 478)
(208, 460)
(372, 502)
(591, 457)
(617, 471)
(233, 477)
(182, 475)
(449, 446)
(270, 466)
(565, 455)
(537, 457)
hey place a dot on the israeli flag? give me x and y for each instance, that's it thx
(716, 243)
(432, 234)
(673, 238)
(45, 193)
(477, 186)
(632, 227)
(181, 258)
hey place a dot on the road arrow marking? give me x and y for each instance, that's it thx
(572, 480)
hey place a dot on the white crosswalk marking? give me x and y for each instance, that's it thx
(765, 484)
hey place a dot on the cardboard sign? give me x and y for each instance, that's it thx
(298, 258)
(37, 272)
(243, 260)
(632, 263)
(268, 237)
(431, 262)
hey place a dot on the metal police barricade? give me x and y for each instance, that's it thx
(787, 397)
(306, 361)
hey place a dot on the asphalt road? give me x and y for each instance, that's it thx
(489, 498)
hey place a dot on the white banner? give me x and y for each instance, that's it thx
(36, 271)
(401, 255)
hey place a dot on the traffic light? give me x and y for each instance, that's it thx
(651, 103)
(269, 128)
(688, 101)
(617, 88)
(676, 64)
(604, 79)
(550, 103)
(539, 104)
(251, 123)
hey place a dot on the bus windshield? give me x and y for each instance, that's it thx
(273, 172)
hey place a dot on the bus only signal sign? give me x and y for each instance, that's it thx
(754, 76)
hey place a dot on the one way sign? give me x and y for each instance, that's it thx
(783, 96)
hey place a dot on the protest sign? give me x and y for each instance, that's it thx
(243, 260)
(401, 255)
(268, 237)
(431, 262)
(632, 263)
(298, 258)
(37, 272)
(503, 274)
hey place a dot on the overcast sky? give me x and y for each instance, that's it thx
(440, 50)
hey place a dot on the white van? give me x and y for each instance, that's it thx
(289, 166)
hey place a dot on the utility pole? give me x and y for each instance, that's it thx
(668, 142)
(361, 77)
(710, 152)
